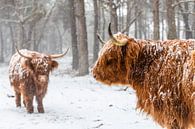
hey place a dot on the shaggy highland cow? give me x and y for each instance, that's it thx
(29, 76)
(161, 72)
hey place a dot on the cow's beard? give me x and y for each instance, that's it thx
(41, 84)
(42, 79)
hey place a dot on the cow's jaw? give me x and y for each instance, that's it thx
(42, 79)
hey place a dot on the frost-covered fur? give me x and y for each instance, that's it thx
(29, 77)
(161, 72)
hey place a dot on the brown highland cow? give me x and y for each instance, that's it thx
(161, 72)
(29, 76)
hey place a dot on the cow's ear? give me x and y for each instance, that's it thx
(28, 63)
(54, 64)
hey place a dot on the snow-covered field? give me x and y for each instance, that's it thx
(74, 103)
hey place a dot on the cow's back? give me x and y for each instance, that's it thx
(18, 69)
(167, 87)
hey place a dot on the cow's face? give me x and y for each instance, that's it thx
(110, 67)
(115, 58)
(114, 63)
(39, 64)
(43, 65)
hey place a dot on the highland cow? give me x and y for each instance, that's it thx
(29, 76)
(161, 72)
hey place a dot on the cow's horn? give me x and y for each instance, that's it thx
(100, 39)
(59, 55)
(116, 42)
(25, 56)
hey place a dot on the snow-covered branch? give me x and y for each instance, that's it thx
(180, 2)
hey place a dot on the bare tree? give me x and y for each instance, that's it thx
(75, 55)
(96, 30)
(83, 46)
(156, 25)
(171, 20)
(136, 23)
(1, 46)
(193, 23)
(185, 14)
(102, 20)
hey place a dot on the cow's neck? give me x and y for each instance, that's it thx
(149, 51)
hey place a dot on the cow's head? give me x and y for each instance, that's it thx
(40, 64)
(115, 59)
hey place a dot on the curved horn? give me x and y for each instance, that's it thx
(100, 39)
(59, 55)
(116, 42)
(25, 56)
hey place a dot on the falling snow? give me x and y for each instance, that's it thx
(74, 103)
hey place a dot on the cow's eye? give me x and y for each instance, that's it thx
(109, 61)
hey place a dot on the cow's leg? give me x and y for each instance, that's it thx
(28, 100)
(18, 99)
(175, 125)
(40, 104)
(24, 103)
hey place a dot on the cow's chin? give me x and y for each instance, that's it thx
(43, 79)
(110, 82)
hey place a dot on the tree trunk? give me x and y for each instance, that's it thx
(28, 43)
(60, 45)
(193, 23)
(178, 24)
(113, 16)
(1, 46)
(185, 13)
(128, 16)
(83, 46)
(188, 32)
(12, 38)
(96, 28)
(104, 22)
(75, 55)
(171, 20)
(20, 36)
(156, 32)
(35, 44)
(136, 22)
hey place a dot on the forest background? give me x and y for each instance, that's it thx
(51, 26)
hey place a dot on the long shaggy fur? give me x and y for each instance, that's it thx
(29, 78)
(161, 72)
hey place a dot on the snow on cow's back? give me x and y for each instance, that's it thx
(16, 63)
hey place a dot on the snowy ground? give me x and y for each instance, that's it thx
(74, 103)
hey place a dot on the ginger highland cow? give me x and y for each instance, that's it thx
(29, 76)
(161, 72)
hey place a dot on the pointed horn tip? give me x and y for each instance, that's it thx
(25, 56)
(116, 42)
(60, 55)
(98, 35)
(109, 24)
(16, 48)
(109, 30)
(100, 39)
(65, 52)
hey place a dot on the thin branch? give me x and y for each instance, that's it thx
(132, 21)
(9, 21)
(180, 2)
(7, 6)
(46, 20)
(185, 12)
